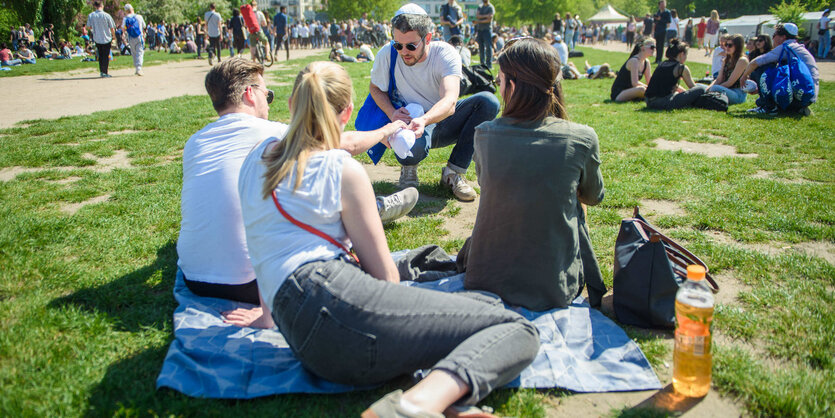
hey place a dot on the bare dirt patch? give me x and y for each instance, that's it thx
(382, 173)
(710, 150)
(660, 208)
(72, 208)
(126, 131)
(608, 404)
(820, 249)
(770, 175)
(67, 180)
(729, 287)
(9, 173)
(119, 159)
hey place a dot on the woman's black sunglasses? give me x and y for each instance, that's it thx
(411, 47)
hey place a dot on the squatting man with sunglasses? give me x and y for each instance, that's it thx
(428, 73)
(212, 250)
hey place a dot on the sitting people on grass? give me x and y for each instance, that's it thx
(6, 59)
(531, 208)
(628, 85)
(26, 55)
(211, 247)
(785, 36)
(469, 347)
(458, 43)
(733, 65)
(663, 91)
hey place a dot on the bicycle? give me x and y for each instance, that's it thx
(261, 55)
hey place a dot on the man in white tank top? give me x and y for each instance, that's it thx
(212, 248)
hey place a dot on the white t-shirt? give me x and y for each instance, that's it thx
(718, 58)
(212, 247)
(304, 32)
(824, 23)
(365, 49)
(276, 246)
(420, 83)
(212, 26)
(562, 51)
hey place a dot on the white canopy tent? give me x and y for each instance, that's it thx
(747, 25)
(607, 15)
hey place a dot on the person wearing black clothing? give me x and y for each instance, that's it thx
(661, 19)
(628, 85)
(663, 91)
(556, 24)
(647, 25)
(238, 35)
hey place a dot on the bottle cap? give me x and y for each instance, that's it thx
(695, 272)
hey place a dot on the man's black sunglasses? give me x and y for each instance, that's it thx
(411, 47)
(270, 94)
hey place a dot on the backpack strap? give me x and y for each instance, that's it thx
(311, 229)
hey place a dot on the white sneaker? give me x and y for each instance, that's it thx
(139, 73)
(459, 186)
(397, 205)
(408, 176)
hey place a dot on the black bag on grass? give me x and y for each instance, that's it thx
(480, 79)
(649, 267)
(712, 100)
(575, 54)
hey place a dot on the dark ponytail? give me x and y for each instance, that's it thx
(536, 71)
(676, 47)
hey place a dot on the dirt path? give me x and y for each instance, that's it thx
(826, 68)
(82, 92)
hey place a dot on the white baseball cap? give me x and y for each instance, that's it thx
(410, 9)
(557, 38)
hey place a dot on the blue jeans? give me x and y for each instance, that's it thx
(348, 327)
(569, 39)
(28, 61)
(11, 63)
(485, 47)
(824, 43)
(457, 129)
(735, 96)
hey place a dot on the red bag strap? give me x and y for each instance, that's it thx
(311, 229)
(681, 256)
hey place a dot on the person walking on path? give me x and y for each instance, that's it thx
(104, 30)
(428, 74)
(484, 25)
(824, 41)
(712, 32)
(213, 27)
(134, 25)
(660, 20)
(281, 38)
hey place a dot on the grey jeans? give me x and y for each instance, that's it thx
(348, 327)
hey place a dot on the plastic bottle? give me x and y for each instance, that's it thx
(692, 359)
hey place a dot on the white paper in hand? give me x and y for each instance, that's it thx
(403, 140)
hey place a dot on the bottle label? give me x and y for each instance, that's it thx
(691, 344)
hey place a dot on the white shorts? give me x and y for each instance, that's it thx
(712, 40)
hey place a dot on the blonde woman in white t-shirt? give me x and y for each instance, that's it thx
(353, 323)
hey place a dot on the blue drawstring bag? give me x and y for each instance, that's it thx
(370, 117)
(790, 82)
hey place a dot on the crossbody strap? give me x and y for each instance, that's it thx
(311, 229)
(392, 63)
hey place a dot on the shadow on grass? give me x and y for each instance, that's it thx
(139, 299)
(664, 403)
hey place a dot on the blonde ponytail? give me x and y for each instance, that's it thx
(322, 91)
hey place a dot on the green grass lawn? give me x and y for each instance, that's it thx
(45, 66)
(86, 302)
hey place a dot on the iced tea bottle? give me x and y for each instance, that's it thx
(694, 312)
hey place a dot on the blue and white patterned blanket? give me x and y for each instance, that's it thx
(581, 350)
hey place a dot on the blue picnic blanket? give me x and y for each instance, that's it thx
(581, 350)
